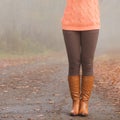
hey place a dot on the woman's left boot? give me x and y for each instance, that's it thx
(74, 87)
(86, 88)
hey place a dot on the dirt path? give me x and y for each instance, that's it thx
(39, 91)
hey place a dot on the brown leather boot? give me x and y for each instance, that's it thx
(87, 85)
(74, 87)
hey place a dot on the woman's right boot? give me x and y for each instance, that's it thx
(74, 87)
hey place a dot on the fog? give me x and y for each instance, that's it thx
(35, 26)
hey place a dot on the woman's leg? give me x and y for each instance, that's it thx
(88, 46)
(72, 42)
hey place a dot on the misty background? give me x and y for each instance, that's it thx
(34, 26)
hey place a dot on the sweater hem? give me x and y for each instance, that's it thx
(80, 28)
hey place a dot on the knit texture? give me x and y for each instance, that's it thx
(81, 15)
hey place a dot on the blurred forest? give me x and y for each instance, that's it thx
(34, 26)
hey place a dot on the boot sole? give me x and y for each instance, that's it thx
(71, 114)
(83, 115)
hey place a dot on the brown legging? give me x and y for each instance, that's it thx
(80, 47)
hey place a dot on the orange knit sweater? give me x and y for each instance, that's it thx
(81, 15)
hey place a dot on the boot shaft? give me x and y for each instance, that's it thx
(86, 87)
(74, 86)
